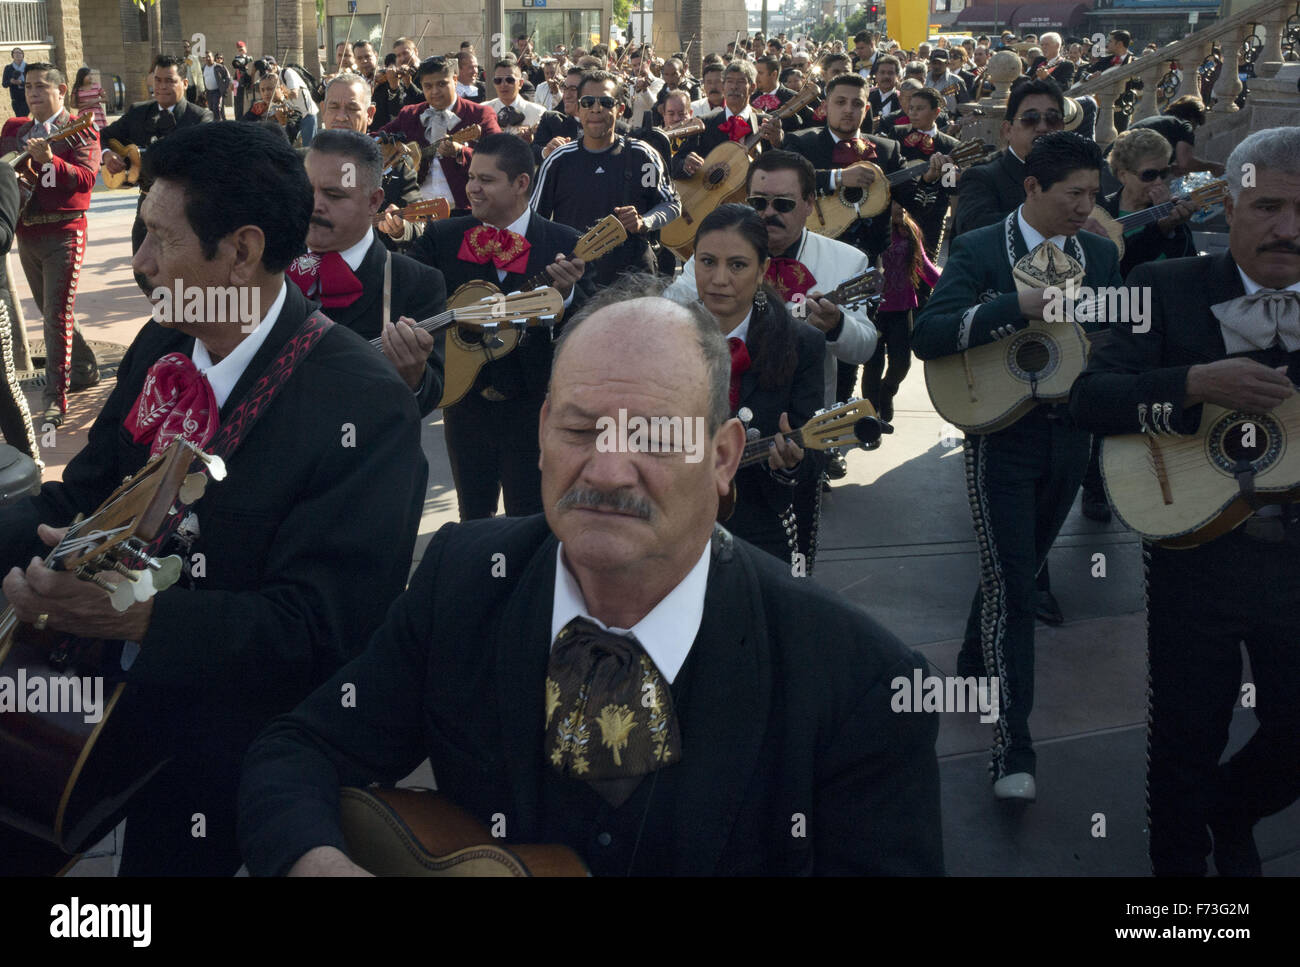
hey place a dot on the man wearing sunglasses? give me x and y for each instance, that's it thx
(606, 172)
(1023, 478)
(991, 190)
(444, 170)
(514, 113)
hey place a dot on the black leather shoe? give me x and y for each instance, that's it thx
(1049, 612)
(53, 416)
(1096, 508)
(837, 467)
(91, 379)
(1235, 852)
(886, 410)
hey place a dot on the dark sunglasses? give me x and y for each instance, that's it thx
(591, 101)
(503, 80)
(783, 206)
(1151, 174)
(1030, 119)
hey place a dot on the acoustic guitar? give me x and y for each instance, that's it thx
(412, 832)
(489, 314)
(65, 781)
(469, 349)
(853, 423)
(833, 213)
(721, 179)
(463, 136)
(1211, 193)
(131, 175)
(21, 161)
(992, 386)
(1181, 491)
(428, 210)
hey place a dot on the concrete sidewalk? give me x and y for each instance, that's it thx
(897, 540)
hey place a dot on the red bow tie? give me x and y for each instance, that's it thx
(176, 400)
(848, 152)
(789, 276)
(767, 102)
(739, 366)
(500, 246)
(736, 128)
(920, 139)
(338, 285)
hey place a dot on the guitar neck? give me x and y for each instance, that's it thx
(907, 173)
(1147, 216)
(757, 450)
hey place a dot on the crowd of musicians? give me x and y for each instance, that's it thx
(733, 310)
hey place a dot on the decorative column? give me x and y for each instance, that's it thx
(1269, 61)
(64, 17)
(1191, 83)
(1105, 133)
(1146, 105)
(288, 31)
(1228, 85)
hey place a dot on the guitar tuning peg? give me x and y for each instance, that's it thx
(752, 433)
(745, 414)
(193, 487)
(216, 466)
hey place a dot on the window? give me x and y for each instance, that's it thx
(571, 28)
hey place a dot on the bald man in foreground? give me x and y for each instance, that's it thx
(620, 675)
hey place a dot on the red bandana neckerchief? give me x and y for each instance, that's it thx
(736, 128)
(500, 246)
(739, 365)
(848, 152)
(339, 285)
(790, 277)
(920, 139)
(176, 400)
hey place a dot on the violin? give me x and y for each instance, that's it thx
(402, 72)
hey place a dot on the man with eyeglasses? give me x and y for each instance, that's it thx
(606, 172)
(561, 126)
(1022, 479)
(444, 170)
(515, 114)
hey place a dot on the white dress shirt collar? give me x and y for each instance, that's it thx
(223, 376)
(1033, 237)
(666, 633)
(741, 332)
(354, 255)
(1252, 286)
(747, 114)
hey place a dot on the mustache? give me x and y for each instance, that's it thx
(323, 222)
(623, 501)
(1280, 246)
(774, 221)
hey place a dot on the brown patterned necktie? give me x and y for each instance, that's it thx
(609, 712)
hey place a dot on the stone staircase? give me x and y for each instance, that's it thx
(1273, 97)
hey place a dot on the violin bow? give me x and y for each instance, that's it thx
(383, 29)
(347, 38)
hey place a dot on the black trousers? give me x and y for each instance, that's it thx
(493, 447)
(1202, 604)
(893, 346)
(1022, 482)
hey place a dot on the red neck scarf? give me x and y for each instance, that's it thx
(338, 285)
(176, 400)
(500, 246)
(848, 152)
(736, 128)
(739, 366)
(790, 277)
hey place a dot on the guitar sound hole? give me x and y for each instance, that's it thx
(470, 335)
(1246, 440)
(1033, 357)
(852, 195)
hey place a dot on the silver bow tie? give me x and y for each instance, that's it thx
(1259, 320)
(438, 123)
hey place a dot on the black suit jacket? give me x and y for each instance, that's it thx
(554, 124)
(528, 368)
(871, 235)
(1062, 73)
(138, 126)
(989, 192)
(760, 498)
(775, 722)
(304, 544)
(418, 292)
(1131, 369)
